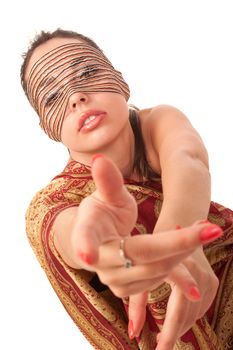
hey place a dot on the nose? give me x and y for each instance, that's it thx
(76, 99)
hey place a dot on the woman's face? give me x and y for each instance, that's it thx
(91, 118)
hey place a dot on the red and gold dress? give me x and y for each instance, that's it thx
(98, 313)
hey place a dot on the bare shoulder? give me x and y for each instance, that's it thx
(165, 127)
(150, 115)
(157, 122)
(165, 121)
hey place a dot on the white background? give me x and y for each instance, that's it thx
(174, 52)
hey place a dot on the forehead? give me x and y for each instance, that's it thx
(47, 47)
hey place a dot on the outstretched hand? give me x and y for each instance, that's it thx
(110, 214)
(193, 288)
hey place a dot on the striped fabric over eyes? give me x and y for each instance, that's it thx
(63, 71)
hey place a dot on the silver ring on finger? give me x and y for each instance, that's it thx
(127, 263)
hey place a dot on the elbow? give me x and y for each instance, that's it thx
(192, 163)
(199, 158)
(199, 165)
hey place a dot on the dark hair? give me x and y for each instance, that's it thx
(43, 37)
(140, 165)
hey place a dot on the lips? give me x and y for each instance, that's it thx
(90, 119)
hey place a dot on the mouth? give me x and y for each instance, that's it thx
(90, 119)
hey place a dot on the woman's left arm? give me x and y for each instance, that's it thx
(183, 164)
(184, 167)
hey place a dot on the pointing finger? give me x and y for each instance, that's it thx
(137, 313)
(108, 179)
(143, 249)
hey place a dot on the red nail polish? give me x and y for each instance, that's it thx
(178, 227)
(98, 155)
(210, 233)
(130, 329)
(85, 258)
(194, 292)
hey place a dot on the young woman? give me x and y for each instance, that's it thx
(105, 230)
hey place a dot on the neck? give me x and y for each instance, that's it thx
(120, 150)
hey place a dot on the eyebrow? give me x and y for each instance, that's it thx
(48, 81)
(73, 63)
(76, 61)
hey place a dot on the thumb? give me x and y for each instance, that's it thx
(137, 313)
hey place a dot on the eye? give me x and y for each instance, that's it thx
(51, 98)
(88, 72)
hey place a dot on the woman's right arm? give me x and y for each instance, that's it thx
(62, 235)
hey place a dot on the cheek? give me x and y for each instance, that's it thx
(69, 129)
(117, 106)
(122, 111)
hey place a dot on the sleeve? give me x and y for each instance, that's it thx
(99, 314)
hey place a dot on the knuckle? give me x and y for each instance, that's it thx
(191, 265)
(186, 242)
(210, 281)
(164, 267)
(146, 271)
(120, 292)
(142, 254)
(108, 279)
(157, 270)
(214, 282)
(104, 278)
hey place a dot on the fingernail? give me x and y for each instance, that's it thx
(131, 330)
(178, 227)
(194, 292)
(210, 233)
(98, 155)
(85, 258)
